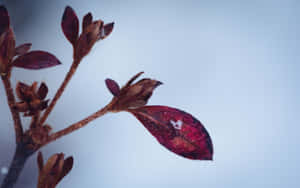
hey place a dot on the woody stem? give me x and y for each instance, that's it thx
(60, 91)
(22, 153)
(11, 103)
(78, 124)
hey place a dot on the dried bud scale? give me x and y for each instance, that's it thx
(54, 170)
(132, 95)
(31, 99)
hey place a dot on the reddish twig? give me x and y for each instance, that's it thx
(34, 120)
(59, 91)
(11, 102)
(78, 125)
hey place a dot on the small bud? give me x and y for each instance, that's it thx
(51, 173)
(32, 99)
(88, 38)
(134, 95)
(112, 86)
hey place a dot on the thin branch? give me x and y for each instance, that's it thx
(78, 124)
(11, 102)
(34, 120)
(59, 92)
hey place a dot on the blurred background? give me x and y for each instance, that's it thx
(232, 64)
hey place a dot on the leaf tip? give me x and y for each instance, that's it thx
(70, 25)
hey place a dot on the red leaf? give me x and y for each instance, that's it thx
(36, 60)
(22, 49)
(178, 131)
(70, 25)
(112, 86)
(4, 19)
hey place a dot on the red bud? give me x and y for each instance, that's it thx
(112, 86)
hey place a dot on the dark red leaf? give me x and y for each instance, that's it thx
(36, 60)
(4, 19)
(22, 49)
(87, 20)
(43, 90)
(112, 86)
(70, 25)
(177, 130)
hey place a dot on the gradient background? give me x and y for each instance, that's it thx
(232, 64)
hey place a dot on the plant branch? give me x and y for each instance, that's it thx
(20, 157)
(78, 124)
(11, 102)
(34, 120)
(60, 91)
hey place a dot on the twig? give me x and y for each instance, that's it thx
(78, 124)
(59, 91)
(34, 120)
(11, 102)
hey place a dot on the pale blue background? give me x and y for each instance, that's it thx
(233, 64)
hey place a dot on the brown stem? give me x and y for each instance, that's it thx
(60, 91)
(20, 157)
(78, 124)
(34, 120)
(11, 102)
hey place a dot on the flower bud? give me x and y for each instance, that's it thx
(134, 95)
